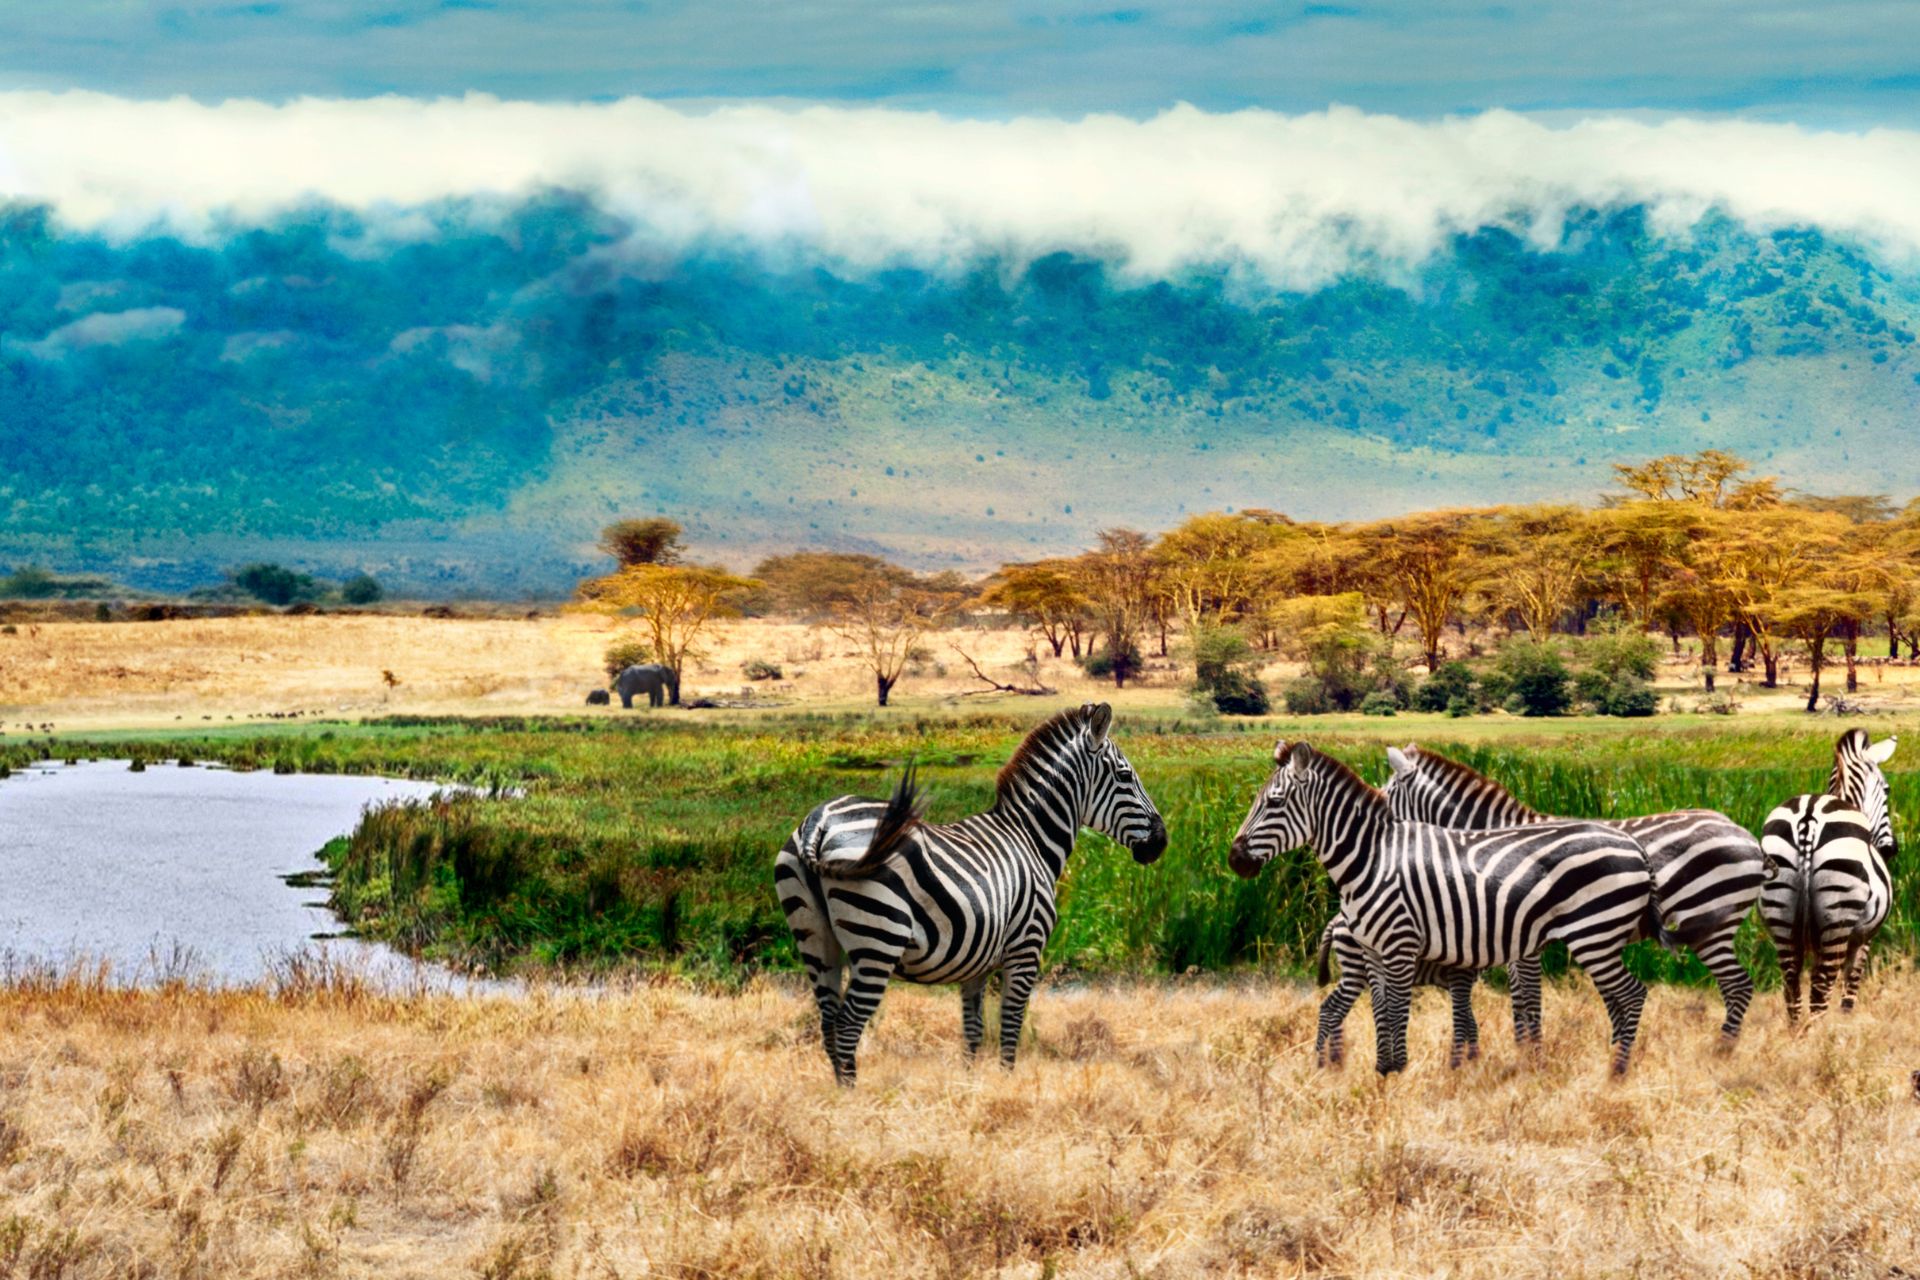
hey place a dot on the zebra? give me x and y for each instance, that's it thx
(1831, 890)
(1707, 871)
(1337, 941)
(871, 892)
(1467, 899)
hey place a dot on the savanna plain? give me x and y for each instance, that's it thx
(676, 1117)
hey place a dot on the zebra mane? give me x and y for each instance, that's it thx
(1338, 773)
(1468, 775)
(1849, 753)
(1048, 733)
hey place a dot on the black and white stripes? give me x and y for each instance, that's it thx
(1831, 888)
(1707, 868)
(872, 893)
(1412, 892)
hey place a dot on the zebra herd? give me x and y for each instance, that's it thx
(1441, 874)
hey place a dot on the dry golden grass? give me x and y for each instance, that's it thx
(1148, 1131)
(82, 675)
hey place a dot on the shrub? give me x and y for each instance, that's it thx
(275, 583)
(1379, 703)
(1626, 696)
(1717, 703)
(622, 654)
(1621, 663)
(1223, 673)
(1619, 695)
(761, 669)
(1101, 665)
(361, 588)
(1307, 696)
(1452, 682)
(1532, 679)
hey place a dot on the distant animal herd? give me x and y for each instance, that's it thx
(1441, 874)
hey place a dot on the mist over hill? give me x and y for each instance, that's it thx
(460, 405)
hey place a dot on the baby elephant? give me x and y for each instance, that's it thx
(650, 678)
(599, 698)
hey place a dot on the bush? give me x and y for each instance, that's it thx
(1531, 679)
(1622, 662)
(1717, 703)
(361, 588)
(1101, 665)
(1463, 705)
(1379, 703)
(1626, 696)
(761, 669)
(1239, 693)
(275, 583)
(1223, 673)
(1307, 696)
(622, 654)
(1452, 682)
(1619, 650)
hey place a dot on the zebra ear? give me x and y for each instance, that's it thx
(1881, 752)
(1281, 751)
(1099, 720)
(1401, 761)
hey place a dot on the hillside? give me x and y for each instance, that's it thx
(459, 408)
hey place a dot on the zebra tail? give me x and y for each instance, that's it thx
(1802, 931)
(1326, 953)
(890, 834)
(1654, 927)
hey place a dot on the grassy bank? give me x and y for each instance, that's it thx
(1155, 1129)
(594, 843)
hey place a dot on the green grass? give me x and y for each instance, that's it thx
(649, 842)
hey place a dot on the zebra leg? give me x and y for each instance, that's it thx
(1523, 987)
(1856, 968)
(1329, 1043)
(813, 937)
(1016, 985)
(1736, 985)
(1790, 962)
(1392, 983)
(865, 985)
(972, 1024)
(1466, 1032)
(1826, 968)
(1625, 996)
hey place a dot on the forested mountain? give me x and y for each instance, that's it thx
(458, 397)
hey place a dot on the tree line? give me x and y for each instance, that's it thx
(1687, 545)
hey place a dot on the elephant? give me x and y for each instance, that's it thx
(598, 698)
(650, 678)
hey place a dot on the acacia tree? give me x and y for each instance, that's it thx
(1117, 579)
(1764, 555)
(1639, 545)
(886, 617)
(1208, 566)
(674, 603)
(1429, 558)
(649, 540)
(1812, 614)
(1044, 595)
(1539, 558)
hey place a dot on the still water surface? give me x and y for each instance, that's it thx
(102, 864)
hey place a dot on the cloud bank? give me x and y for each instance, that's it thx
(1293, 200)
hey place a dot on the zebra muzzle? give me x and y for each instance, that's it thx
(1148, 851)
(1244, 864)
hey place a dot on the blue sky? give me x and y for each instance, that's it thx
(1842, 64)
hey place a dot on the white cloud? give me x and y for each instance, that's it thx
(1296, 199)
(105, 329)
